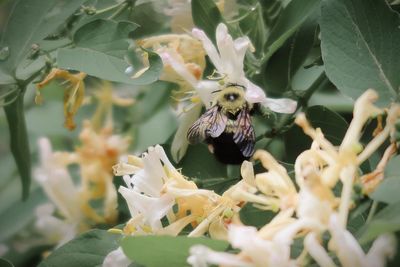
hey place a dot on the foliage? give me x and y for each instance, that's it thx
(322, 54)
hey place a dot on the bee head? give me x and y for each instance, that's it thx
(231, 98)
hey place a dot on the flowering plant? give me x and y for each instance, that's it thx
(200, 133)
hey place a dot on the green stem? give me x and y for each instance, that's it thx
(119, 11)
(104, 10)
(302, 103)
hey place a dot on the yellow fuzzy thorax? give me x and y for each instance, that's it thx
(234, 104)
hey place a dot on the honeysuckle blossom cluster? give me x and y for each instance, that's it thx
(307, 207)
(155, 190)
(312, 209)
(154, 187)
(71, 200)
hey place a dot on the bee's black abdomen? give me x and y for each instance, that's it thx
(226, 150)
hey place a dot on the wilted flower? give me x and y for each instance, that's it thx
(73, 94)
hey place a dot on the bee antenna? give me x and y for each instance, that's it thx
(216, 91)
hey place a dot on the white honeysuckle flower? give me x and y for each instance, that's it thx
(53, 229)
(349, 251)
(143, 192)
(261, 252)
(202, 256)
(153, 209)
(383, 248)
(56, 181)
(317, 251)
(228, 60)
(116, 258)
(156, 187)
(204, 88)
(179, 143)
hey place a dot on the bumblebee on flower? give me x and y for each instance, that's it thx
(229, 97)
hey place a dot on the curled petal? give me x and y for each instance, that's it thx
(281, 105)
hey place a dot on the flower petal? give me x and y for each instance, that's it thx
(180, 143)
(384, 247)
(227, 53)
(241, 45)
(202, 256)
(153, 209)
(116, 258)
(281, 105)
(209, 47)
(317, 251)
(254, 94)
(179, 68)
(57, 183)
(205, 90)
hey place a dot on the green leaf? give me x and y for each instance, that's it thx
(100, 49)
(149, 17)
(19, 214)
(206, 16)
(5, 263)
(333, 125)
(200, 163)
(291, 18)
(359, 44)
(19, 139)
(150, 100)
(87, 250)
(388, 190)
(253, 25)
(29, 22)
(284, 64)
(387, 220)
(155, 251)
(146, 135)
(253, 216)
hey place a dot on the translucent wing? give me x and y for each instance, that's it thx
(244, 135)
(211, 124)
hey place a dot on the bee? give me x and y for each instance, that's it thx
(226, 126)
